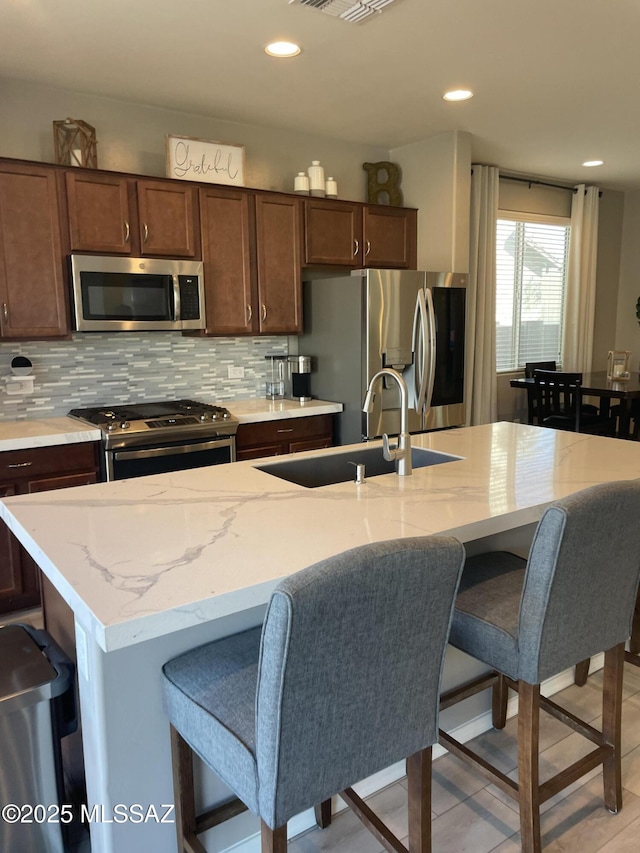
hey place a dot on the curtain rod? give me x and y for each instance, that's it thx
(531, 182)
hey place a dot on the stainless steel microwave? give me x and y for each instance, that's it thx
(113, 294)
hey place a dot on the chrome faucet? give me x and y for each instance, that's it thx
(402, 451)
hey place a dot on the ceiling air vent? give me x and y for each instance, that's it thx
(346, 9)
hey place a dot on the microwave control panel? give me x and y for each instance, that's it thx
(189, 297)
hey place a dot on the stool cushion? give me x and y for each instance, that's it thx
(222, 675)
(485, 621)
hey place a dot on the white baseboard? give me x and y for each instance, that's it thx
(467, 731)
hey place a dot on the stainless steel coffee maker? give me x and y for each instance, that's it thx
(298, 379)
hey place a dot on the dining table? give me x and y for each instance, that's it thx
(598, 384)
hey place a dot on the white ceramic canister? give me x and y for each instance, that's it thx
(301, 183)
(316, 178)
(331, 188)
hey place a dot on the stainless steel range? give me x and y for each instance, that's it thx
(151, 438)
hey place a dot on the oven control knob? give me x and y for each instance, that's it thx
(204, 416)
(215, 416)
(226, 415)
(125, 425)
(111, 426)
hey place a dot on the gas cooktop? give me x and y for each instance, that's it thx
(161, 421)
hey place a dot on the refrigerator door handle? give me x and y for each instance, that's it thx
(431, 349)
(419, 341)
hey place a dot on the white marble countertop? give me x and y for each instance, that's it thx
(44, 432)
(258, 409)
(138, 559)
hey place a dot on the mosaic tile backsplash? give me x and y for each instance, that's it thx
(94, 369)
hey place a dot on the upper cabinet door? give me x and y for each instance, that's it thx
(167, 213)
(99, 213)
(278, 241)
(226, 253)
(333, 233)
(390, 237)
(32, 282)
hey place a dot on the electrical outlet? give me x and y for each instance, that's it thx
(19, 384)
(236, 372)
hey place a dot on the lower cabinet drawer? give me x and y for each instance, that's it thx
(60, 459)
(273, 438)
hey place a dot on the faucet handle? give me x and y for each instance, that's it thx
(390, 453)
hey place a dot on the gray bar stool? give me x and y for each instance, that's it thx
(531, 620)
(341, 681)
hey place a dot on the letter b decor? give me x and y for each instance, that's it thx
(383, 183)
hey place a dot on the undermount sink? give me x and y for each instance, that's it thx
(334, 468)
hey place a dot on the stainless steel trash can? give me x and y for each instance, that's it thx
(37, 709)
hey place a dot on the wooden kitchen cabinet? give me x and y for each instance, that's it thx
(26, 472)
(114, 214)
(292, 435)
(340, 233)
(167, 212)
(390, 236)
(100, 217)
(226, 222)
(278, 240)
(252, 266)
(33, 301)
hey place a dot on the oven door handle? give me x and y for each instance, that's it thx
(151, 452)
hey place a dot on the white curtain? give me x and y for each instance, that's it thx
(480, 361)
(581, 280)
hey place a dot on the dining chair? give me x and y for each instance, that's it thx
(530, 620)
(341, 681)
(559, 405)
(529, 367)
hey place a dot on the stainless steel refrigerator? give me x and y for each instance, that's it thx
(410, 320)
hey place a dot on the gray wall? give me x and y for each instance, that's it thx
(627, 328)
(131, 138)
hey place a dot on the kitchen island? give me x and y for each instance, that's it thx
(155, 566)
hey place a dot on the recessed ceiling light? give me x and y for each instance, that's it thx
(593, 163)
(458, 95)
(282, 49)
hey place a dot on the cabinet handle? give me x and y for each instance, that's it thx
(368, 248)
(249, 313)
(356, 248)
(264, 311)
(280, 430)
(146, 233)
(19, 464)
(126, 232)
(5, 311)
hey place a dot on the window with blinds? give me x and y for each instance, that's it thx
(531, 268)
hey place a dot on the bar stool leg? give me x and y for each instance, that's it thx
(582, 672)
(273, 840)
(528, 774)
(184, 795)
(612, 726)
(634, 643)
(419, 790)
(499, 697)
(323, 813)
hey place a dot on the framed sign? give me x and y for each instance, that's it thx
(198, 160)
